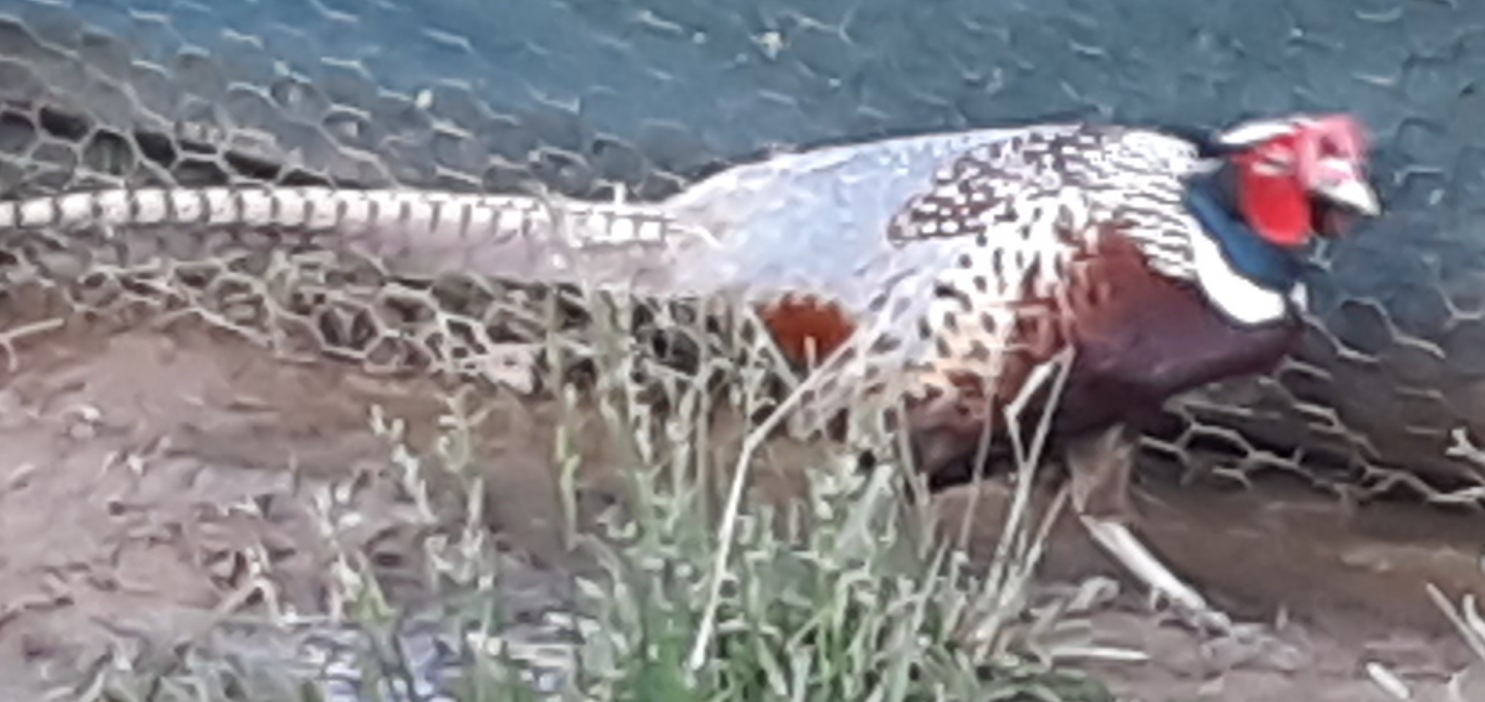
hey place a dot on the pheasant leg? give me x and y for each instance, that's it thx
(1100, 468)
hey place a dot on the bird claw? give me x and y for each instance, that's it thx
(1184, 600)
(1100, 466)
(1223, 640)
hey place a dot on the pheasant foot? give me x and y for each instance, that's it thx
(1124, 546)
(1100, 466)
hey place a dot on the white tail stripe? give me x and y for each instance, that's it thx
(511, 219)
(478, 219)
(77, 205)
(35, 213)
(221, 207)
(257, 207)
(190, 207)
(290, 208)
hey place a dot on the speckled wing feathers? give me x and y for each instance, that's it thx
(1122, 174)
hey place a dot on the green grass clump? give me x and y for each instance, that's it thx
(842, 603)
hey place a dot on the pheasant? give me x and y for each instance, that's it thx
(939, 274)
(1153, 261)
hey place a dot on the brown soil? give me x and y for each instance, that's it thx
(139, 469)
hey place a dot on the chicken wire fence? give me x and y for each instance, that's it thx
(590, 98)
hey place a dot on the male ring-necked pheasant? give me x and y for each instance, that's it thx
(943, 270)
(1162, 261)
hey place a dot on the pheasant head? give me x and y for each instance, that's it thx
(1299, 177)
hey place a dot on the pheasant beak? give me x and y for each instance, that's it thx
(1340, 202)
(1352, 194)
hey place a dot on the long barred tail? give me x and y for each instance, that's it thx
(546, 239)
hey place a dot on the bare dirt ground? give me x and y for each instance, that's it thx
(145, 474)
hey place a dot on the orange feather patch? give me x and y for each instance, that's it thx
(807, 329)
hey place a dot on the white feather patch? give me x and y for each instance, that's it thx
(1257, 131)
(1237, 296)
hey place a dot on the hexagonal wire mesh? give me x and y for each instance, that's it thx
(583, 96)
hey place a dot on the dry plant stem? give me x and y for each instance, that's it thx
(1465, 617)
(1013, 537)
(730, 515)
(981, 455)
(1027, 462)
(986, 633)
(11, 336)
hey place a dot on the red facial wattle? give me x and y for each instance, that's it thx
(1274, 203)
(1280, 179)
